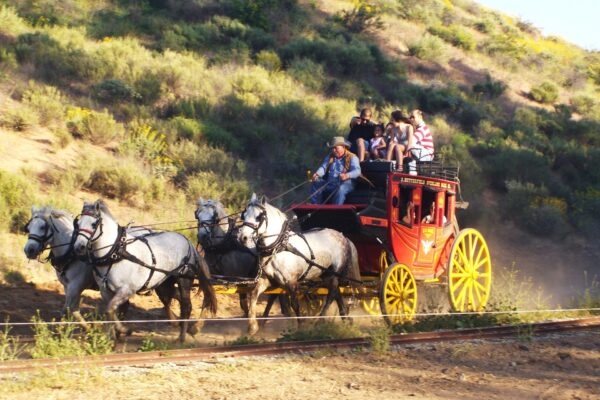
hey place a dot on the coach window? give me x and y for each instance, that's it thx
(407, 209)
(429, 206)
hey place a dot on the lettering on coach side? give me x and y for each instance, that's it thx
(427, 182)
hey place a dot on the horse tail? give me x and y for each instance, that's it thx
(353, 269)
(210, 298)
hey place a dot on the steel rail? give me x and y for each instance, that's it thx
(214, 354)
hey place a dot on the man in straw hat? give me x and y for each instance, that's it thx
(335, 177)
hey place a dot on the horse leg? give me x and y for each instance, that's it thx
(185, 305)
(166, 293)
(284, 305)
(294, 303)
(121, 296)
(73, 292)
(261, 286)
(332, 291)
(244, 304)
(342, 305)
(270, 301)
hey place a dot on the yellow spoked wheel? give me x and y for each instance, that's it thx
(469, 272)
(371, 305)
(398, 294)
(310, 304)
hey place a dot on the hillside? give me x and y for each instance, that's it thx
(158, 102)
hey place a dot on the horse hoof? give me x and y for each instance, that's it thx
(128, 332)
(192, 330)
(252, 328)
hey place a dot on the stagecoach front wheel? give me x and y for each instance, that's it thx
(371, 305)
(469, 272)
(398, 294)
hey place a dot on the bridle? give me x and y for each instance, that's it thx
(261, 218)
(88, 234)
(48, 232)
(280, 242)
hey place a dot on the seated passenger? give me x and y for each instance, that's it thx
(336, 176)
(400, 132)
(410, 213)
(361, 132)
(430, 218)
(378, 144)
(421, 148)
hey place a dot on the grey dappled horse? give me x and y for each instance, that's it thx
(127, 264)
(225, 256)
(54, 228)
(288, 258)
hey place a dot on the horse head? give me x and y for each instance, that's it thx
(39, 232)
(261, 223)
(209, 215)
(89, 225)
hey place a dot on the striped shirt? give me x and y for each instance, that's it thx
(423, 137)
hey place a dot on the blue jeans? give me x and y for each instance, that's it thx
(334, 192)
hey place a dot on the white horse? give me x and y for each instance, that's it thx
(217, 234)
(125, 264)
(54, 228)
(288, 258)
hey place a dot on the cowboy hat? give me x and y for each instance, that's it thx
(337, 141)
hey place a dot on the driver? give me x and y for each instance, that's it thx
(335, 177)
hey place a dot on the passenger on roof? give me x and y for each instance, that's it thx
(335, 177)
(400, 131)
(361, 132)
(378, 144)
(422, 144)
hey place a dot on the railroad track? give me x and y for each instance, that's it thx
(214, 354)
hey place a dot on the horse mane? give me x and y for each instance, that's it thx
(104, 208)
(47, 211)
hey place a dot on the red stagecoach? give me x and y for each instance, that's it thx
(405, 230)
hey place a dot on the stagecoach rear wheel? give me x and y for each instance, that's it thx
(311, 304)
(469, 272)
(398, 294)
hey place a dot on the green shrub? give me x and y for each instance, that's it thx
(121, 179)
(148, 88)
(62, 340)
(545, 93)
(146, 144)
(187, 128)
(507, 45)
(269, 60)
(531, 209)
(428, 48)
(192, 108)
(484, 26)
(97, 127)
(19, 119)
(521, 165)
(454, 35)
(194, 158)
(233, 192)
(309, 73)
(586, 210)
(48, 102)
(54, 62)
(113, 91)
(490, 87)
(585, 105)
(364, 17)
(10, 348)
